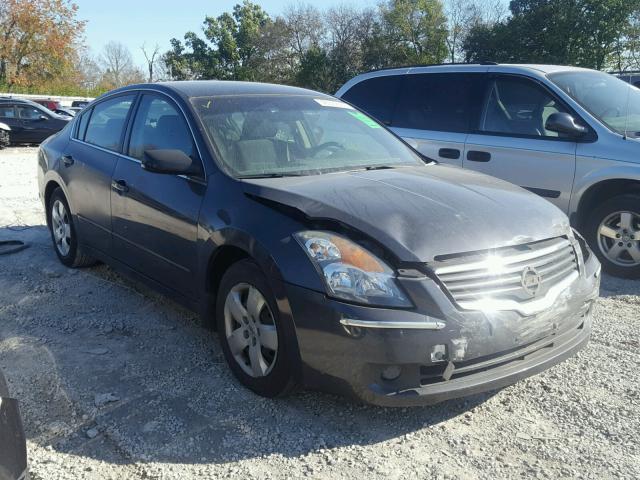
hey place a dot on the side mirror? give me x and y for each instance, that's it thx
(562, 122)
(169, 161)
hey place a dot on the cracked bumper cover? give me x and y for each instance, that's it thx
(345, 348)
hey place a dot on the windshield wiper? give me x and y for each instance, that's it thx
(379, 167)
(272, 175)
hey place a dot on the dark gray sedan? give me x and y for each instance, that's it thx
(325, 250)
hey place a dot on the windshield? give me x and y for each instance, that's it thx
(273, 135)
(614, 102)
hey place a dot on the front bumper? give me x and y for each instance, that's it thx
(454, 353)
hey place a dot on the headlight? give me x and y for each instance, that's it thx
(350, 272)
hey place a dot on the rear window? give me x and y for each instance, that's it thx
(376, 96)
(107, 122)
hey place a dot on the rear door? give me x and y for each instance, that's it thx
(88, 165)
(155, 216)
(510, 140)
(434, 111)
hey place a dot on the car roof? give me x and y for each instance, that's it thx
(18, 100)
(204, 88)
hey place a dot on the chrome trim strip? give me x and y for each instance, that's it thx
(531, 307)
(507, 260)
(430, 324)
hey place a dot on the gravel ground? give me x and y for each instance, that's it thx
(118, 382)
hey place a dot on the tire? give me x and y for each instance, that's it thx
(276, 376)
(614, 226)
(68, 250)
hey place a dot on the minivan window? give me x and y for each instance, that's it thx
(158, 125)
(437, 101)
(268, 135)
(614, 102)
(517, 106)
(108, 121)
(376, 96)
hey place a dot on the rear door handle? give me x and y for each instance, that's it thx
(67, 160)
(477, 156)
(452, 153)
(120, 186)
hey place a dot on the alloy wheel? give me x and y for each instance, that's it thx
(619, 238)
(61, 227)
(250, 330)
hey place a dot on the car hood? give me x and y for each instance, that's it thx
(419, 213)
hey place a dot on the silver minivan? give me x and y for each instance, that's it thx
(570, 135)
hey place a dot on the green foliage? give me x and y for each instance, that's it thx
(566, 32)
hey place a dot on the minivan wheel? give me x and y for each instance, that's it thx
(252, 335)
(63, 232)
(613, 231)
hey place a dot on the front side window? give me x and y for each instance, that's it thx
(612, 101)
(376, 96)
(271, 135)
(517, 106)
(107, 122)
(437, 101)
(7, 111)
(29, 113)
(158, 125)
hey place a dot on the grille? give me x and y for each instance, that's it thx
(517, 273)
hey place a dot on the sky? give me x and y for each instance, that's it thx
(138, 22)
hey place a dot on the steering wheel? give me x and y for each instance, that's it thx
(326, 146)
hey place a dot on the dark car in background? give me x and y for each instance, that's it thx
(80, 103)
(30, 122)
(13, 445)
(325, 250)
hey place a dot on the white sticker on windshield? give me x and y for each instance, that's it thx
(333, 103)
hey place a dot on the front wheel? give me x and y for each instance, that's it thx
(255, 341)
(613, 231)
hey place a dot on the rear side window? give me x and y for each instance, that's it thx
(82, 124)
(108, 121)
(438, 101)
(158, 126)
(7, 111)
(376, 96)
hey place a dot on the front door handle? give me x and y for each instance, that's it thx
(452, 153)
(67, 160)
(120, 186)
(477, 156)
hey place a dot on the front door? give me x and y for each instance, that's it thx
(155, 216)
(512, 143)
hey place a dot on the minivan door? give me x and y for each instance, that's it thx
(155, 215)
(434, 112)
(511, 142)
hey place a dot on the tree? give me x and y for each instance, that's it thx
(117, 66)
(38, 41)
(417, 29)
(573, 32)
(153, 59)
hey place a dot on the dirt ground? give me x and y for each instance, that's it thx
(116, 382)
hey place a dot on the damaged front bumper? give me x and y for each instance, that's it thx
(394, 357)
